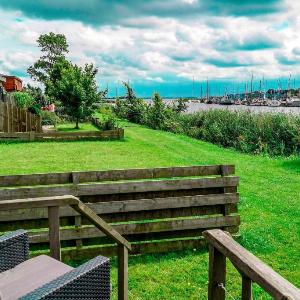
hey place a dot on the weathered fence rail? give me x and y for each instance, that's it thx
(157, 209)
(66, 136)
(16, 120)
(52, 205)
(222, 246)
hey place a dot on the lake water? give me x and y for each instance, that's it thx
(194, 107)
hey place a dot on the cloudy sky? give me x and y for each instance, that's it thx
(160, 45)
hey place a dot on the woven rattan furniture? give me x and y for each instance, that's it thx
(43, 277)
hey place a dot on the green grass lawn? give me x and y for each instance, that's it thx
(269, 207)
(70, 127)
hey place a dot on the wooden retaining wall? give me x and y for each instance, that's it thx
(14, 119)
(58, 136)
(158, 210)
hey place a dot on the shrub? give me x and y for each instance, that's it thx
(23, 99)
(49, 118)
(131, 108)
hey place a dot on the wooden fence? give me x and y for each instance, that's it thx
(14, 119)
(59, 135)
(158, 210)
(222, 246)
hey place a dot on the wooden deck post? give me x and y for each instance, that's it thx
(122, 272)
(216, 275)
(246, 288)
(54, 234)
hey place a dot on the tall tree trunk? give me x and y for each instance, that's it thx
(77, 123)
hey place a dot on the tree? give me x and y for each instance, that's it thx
(76, 88)
(157, 113)
(131, 108)
(54, 47)
(36, 92)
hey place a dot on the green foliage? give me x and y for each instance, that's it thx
(36, 92)
(75, 88)
(49, 118)
(23, 99)
(180, 105)
(131, 108)
(107, 118)
(54, 47)
(272, 134)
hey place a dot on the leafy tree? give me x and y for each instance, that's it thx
(75, 88)
(54, 47)
(36, 92)
(157, 113)
(131, 108)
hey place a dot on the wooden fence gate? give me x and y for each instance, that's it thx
(14, 119)
(157, 210)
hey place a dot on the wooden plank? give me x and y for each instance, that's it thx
(140, 248)
(252, 267)
(126, 206)
(117, 188)
(38, 202)
(101, 224)
(96, 176)
(246, 288)
(54, 234)
(216, 274)
(122, 272)
(140, 228)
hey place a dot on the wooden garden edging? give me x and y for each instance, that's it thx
(158, 210)
(54, 136)
(14, 119)
(221, 245)
(52, 204)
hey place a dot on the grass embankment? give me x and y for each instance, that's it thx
(269, 207)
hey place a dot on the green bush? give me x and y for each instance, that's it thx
(268, 133)
(49, 118)
(23, 99)
(107, 119)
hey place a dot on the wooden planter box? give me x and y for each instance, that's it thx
(115, 134)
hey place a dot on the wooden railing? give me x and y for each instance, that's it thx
(222, 245)
(53, 204)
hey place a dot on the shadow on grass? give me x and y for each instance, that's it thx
(292, 165)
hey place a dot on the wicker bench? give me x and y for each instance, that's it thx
(43, 277)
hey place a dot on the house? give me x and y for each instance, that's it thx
(12, 83)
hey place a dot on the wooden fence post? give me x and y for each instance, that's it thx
(246, 288)
(122, 272)
(54, 234)
(216, 275)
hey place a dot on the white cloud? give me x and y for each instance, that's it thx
(154, 48)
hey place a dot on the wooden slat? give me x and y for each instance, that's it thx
(277, 286)
(54, 233)
(140, 248)
(95, 176)
(122, 272)
(126, 206)
(116, 188)
(37, 202)
(101, 224)
(140, 228)
(216, 274)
